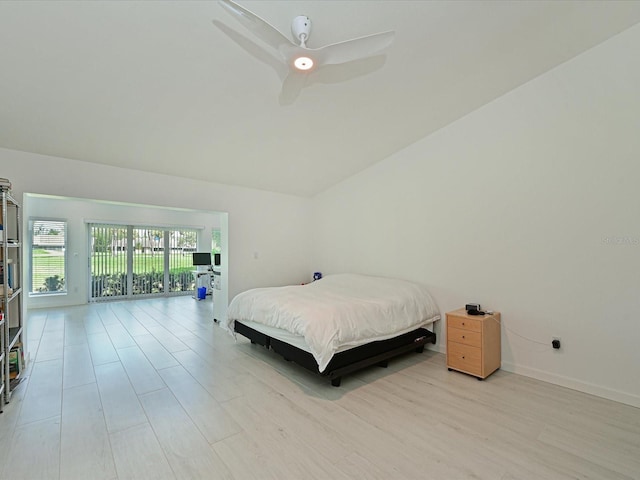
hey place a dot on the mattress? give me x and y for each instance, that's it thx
(297, 341)
(335, 313)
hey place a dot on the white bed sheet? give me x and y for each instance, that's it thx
(338, 312)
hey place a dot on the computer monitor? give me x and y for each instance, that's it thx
(201, 259)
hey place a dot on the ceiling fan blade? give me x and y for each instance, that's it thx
(263, 30)
(291, 87)
(256, 51)
(354, 49)
(344, 72)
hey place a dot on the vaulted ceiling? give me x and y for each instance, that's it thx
(156, 86)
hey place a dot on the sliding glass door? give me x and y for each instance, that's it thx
(128, 261)
(108, 261)
(148, 261)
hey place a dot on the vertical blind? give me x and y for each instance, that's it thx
(129, 260)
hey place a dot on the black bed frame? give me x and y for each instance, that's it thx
(342, 363)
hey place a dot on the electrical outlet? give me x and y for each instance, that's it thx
(556, 343)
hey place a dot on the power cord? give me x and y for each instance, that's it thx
(490, 314)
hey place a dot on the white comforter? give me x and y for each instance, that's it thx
(338, 311)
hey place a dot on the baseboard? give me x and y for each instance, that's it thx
(572, 383)
(585, 387)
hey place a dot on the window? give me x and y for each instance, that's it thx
(216, 241)
(48, 256)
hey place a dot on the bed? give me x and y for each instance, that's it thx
(338, 324)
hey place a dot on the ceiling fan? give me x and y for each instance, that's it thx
(296, 62)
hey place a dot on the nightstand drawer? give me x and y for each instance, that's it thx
(464, 323)
(464, 357)
(464, 336)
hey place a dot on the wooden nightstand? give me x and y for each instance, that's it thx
(473, 343)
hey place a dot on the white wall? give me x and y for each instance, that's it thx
(528, 206)
(271, 226)
(77, 212)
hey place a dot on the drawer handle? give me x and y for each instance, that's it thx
(463, 324)
(463, 357)
(462, 336)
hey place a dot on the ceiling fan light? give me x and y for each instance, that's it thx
(303, 63)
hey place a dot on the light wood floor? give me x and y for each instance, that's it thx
(153, 389)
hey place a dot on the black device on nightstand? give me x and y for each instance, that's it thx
(473, 309)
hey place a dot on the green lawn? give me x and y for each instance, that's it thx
(46, 264)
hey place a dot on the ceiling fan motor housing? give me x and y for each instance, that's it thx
(301, 29)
